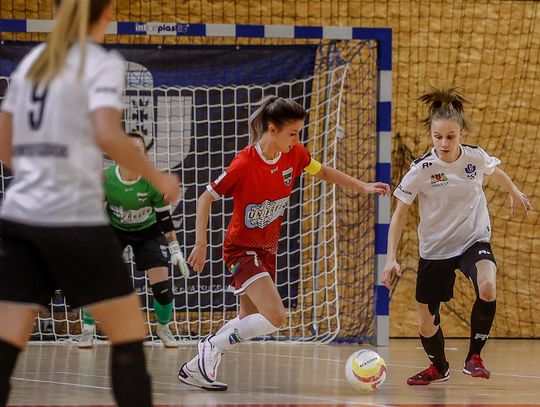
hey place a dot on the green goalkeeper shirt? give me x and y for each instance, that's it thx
(131, 205)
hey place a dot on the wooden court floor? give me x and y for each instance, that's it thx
(270, 374)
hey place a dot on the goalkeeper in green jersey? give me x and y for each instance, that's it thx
(141, 219)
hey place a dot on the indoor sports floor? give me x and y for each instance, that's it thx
(270, 374)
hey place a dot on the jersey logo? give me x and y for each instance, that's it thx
(142, 196)
(261, 215)
(404, 190)
(287, 176)
(426, 165)
(220, 178)
(470, 169)
(131, 216)
(439, 180)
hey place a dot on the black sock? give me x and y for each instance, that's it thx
(434, 347)
(8, 358)
(130, 379)
(482, 316)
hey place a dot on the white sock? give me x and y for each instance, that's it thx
(228, 325)
(89, 327)
(192, 365)
(252, 326)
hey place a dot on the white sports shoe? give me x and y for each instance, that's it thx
(195, 379)
(164, 333)
(86, 341)
(209, 358)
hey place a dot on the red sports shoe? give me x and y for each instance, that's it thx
(475, 367)
(429, 375)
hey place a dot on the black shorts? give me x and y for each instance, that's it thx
(435, 279)
(149, 246)
(84, 261)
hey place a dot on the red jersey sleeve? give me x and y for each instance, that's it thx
(226, 182)
(303, 158)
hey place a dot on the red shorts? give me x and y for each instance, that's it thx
(247, 265)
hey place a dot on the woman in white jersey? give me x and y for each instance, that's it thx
(454, 231)
(62, 110)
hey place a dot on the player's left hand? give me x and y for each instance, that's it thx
(377, 188)
(519, 200)
(177, 258)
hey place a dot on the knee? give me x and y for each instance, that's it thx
(487, 291)
(427, 328)
(162, 292)
(429, 319)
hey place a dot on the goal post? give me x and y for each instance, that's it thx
(333, 243)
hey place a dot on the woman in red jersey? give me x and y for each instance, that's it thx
(260, 180)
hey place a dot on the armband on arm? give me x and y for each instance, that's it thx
(314, 167)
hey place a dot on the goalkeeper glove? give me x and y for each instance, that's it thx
(178, 259)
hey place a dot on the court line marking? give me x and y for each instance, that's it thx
(286, 396)
(72, 384)
(61, 383)
(524, 376)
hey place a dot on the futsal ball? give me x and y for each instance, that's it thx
(365, 370)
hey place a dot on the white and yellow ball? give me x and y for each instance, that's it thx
(365, 370)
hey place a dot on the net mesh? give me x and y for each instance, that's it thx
(490, 47)
(325, 259)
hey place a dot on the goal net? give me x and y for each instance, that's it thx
(196, 120)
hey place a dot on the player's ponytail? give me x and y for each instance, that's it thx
(275, 110)
(445, 104)
(73, 19)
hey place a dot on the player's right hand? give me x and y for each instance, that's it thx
(197, 257)
(168, 185)
(390, 268)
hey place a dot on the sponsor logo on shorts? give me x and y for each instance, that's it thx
(261, 215)
(233, 268)
(439, 180)
(482, 337)
(164, 251)
(483, 252)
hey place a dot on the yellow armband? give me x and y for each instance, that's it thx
(314, 167)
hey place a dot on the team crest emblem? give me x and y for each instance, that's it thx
(287, 176)
(470, 169)
(142, 196)
(439, 180)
